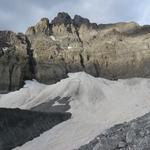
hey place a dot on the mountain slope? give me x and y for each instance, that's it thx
(96, 104)
(49, 50)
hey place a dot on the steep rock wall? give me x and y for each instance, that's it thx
(49, 50)
(15, 60)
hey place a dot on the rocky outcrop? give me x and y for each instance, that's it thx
(41, 28)
(127, 27)
(15, 60)
(78, 45)
(49, 50)
(134, 135)
(19, 126)
(62, 18)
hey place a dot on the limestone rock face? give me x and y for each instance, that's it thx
(120, 50)
(42, 27)
(62, 18)
(58, 53)
(128, 27)
(14, 60)
(78, 21)
(114, 51)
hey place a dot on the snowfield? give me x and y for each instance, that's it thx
(96, 104)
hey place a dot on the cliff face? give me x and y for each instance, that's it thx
(69, 45)
(15, 60)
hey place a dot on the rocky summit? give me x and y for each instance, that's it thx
(49, 50)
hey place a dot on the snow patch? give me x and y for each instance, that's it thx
(96, 104)
(58, 104)
(5, 49)
(70, 47)
(53, 38)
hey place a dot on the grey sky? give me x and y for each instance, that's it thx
(17, 15)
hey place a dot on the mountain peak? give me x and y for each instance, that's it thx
(62, 18)
(78, 21)
(42, 27)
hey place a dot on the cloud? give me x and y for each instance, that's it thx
(17, 15)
